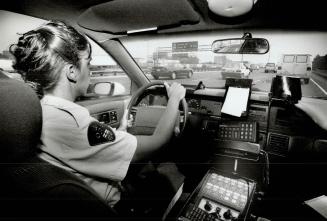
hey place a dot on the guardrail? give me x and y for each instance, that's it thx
(320, 72)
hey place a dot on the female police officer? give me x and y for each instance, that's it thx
(57, 58)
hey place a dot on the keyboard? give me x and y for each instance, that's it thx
(239, 131)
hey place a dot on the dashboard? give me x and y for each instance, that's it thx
(211, 107)
(276, 145)
(257, 111)
(280, 130)
(289, 129)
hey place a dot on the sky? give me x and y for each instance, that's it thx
(280, 41)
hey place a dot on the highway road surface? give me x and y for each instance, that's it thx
(317, 86)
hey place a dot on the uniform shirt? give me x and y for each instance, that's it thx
(65, 143)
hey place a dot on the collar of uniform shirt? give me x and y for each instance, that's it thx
(79, 113)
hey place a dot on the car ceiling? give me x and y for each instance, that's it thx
(171, 16)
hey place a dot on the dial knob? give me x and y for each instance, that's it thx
(227, 214)
(218, 209)
(208, 206)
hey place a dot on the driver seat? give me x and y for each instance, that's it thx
(31, 188)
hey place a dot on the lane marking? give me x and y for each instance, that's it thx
(325, 92)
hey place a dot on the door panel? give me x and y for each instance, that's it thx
(301, 64)
(108, 110)
(288, 64)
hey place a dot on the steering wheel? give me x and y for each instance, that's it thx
(182, 118)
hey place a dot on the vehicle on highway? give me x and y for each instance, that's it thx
(299, 65)
(259, 158)
(235, 70)
(254, 67)
(271, 67)
(172, 73)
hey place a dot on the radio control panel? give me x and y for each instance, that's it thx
(219, 197)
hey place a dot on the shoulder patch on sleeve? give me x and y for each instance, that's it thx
(99, 133)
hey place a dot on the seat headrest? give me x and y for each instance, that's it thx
(21, 121)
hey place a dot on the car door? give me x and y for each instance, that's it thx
(107, 108)
(300, 67)
(288, 64)
(164, 71)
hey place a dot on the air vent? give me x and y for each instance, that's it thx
(258, 108)
(257, 113)
(278, 143)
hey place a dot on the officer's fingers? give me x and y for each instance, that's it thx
(130, 120)
(172, 88)
(124, 117)
(168, 88)
(166, 85)
(123, 121)
(177, 130)
(174, 85)
(177, 90)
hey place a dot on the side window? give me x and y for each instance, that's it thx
(105, 70)
(12, 25)
(301, 59)
(288, 58)
(6, 60)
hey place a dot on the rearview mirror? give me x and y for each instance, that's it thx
(240, 46)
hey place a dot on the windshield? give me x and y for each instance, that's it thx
(192, 61)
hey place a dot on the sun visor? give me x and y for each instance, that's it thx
(122, 16)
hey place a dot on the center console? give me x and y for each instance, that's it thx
(226, 193)
(219, 196)
(223, 194)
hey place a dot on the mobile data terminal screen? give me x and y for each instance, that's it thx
(236, 98)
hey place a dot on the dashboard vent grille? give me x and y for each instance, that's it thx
(257, 113)
(278, 143)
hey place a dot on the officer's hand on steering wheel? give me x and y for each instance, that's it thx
(175, 91)
(125, 121)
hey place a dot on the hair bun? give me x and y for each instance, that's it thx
(40, 54)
